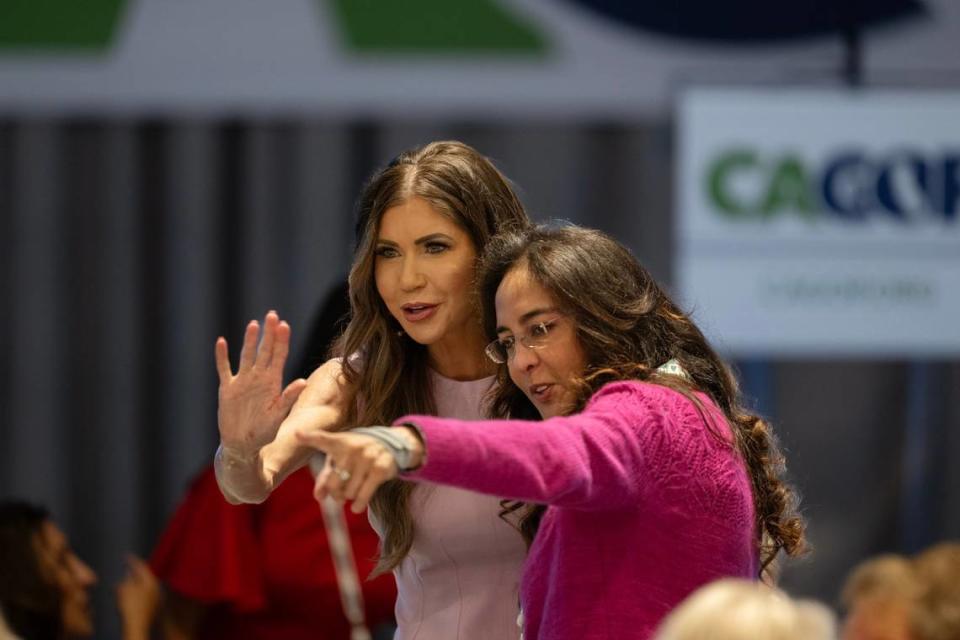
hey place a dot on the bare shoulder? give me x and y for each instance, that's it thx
(332, 368)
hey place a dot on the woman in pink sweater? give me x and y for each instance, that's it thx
(645, 480)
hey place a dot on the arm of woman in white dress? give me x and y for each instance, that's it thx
(258, 417)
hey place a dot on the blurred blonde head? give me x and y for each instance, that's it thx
(732, 609)
(936, 615)
(879, 596)
(894, 597)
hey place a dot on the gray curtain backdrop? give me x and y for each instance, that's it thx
(127, 247)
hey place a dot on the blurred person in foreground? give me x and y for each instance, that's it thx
(45, 587)
(937, 613)
(879, 596)
(893, 597)
(732, 609)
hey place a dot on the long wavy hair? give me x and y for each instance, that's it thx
(627, 327)
(386, 369)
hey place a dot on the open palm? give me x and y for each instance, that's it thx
(253, 403)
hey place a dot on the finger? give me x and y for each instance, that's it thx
(132, 575)
(377, 476)
(364, 495)
(291, 393)
(320, 484)
(249, 350)
(265, 352)
(363, 459)
(334, 485)
(281, 345)
(223, 360)
(139, 567)
(357, 477)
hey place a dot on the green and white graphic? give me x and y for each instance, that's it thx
(821, 223)
(435, 26)
(51, 25)
(425, 59)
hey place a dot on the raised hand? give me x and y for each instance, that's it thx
(138, 599)
(253, 403)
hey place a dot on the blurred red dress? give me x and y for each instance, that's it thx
(264, 571)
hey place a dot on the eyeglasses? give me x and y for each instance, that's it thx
(503, 349)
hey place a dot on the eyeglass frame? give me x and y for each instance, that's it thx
(528, 341)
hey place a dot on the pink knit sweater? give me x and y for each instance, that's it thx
(644, 505)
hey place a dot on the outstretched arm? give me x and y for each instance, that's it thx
(597, 459)
(322, 406)
(356, 463)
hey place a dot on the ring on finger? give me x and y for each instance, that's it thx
(343, 474)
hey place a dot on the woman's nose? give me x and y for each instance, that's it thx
(83, 573)
(524, 357)
(410, 275)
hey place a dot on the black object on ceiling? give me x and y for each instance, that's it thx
(752, 21)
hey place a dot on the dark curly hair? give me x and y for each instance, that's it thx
(627, 327)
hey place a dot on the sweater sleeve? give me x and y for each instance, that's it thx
(597, 459)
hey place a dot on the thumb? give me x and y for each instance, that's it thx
(291, 393)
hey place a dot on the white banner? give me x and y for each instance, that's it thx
(358, 59)
(821, 222)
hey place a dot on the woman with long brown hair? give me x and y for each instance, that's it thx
(646, 478)
(414, 344)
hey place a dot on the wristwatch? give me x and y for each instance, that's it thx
(394, 442)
